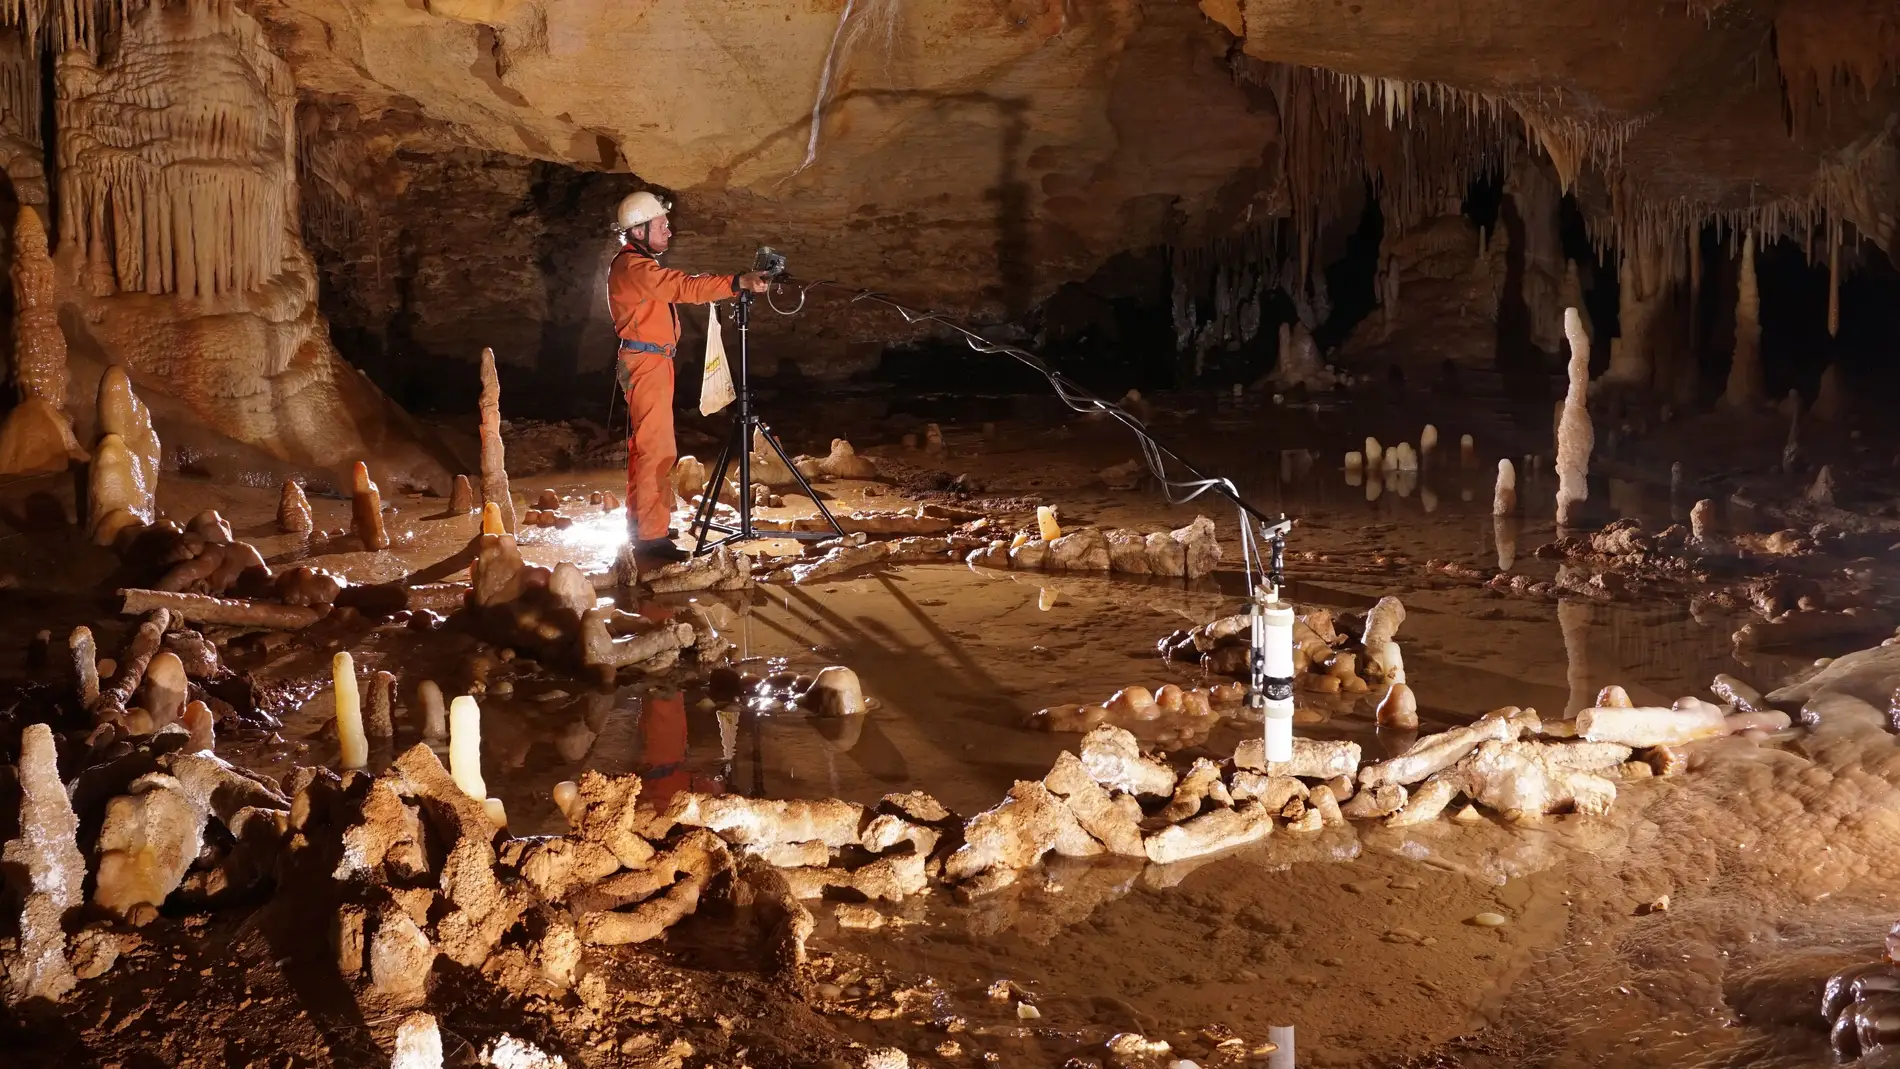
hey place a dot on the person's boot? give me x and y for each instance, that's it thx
(650, 550)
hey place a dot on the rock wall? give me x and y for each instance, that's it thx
(975, 156)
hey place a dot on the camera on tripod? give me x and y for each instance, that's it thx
(769, 262)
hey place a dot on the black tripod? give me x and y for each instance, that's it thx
(738, 448)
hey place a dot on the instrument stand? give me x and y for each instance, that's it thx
(738, 449)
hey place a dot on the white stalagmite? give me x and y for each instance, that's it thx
(1427, 441)
(418, 1043)
(54, 872)
(1575, 438)
(352, 742)
(465, 747)
(1504, 497)
(1355, 461)
(1375, 456)
(1746, 388)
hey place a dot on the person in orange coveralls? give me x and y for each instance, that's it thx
(641, 294)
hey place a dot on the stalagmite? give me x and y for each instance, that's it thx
(36, 437)
(836, 692)
(1398, 709)
(435, 718)
(47, 855)
(366, 510)
(1688, 720)
(1575, 438)
(165, 688)
(1047, 527)
(1467, 450)
(1504, 497)
(465, 747)
(85, 657)
(1375, 456)
(201, 727)
(845, 463)
(1427, 441)
(1821, 491)
(1355, 461)
(1831, 401)
(418, 1043)
(121, 413)
(293, 509)
(1746, 387)
(352, 745)
(1504, 531)
(379, 717)
(114, 492)
(462, 496)
(205, 609)
(494, 469)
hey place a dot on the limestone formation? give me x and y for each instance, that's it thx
(845, 463)
(1504, 496)
(494, 464)
(150, 837)
(121, 413)
(1575, 438)
(47, 855)
(418, 1043)
(1746, 387)
(1832, 400)
(366, 510)
(293, 509)
(39, 347)
(115, 493)
(37, 439)
(836, 692)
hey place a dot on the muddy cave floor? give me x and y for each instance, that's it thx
(1353, 947)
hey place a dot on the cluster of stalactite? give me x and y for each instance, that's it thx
(1419, 146)
(1220, 290)
(174, 165)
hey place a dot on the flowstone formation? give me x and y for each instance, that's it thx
(179, 257)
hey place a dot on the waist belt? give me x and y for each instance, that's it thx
(623, 375)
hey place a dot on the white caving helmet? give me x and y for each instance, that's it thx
(637, 208)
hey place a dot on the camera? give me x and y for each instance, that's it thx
(769, 262)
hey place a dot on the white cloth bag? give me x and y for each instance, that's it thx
(715, 382)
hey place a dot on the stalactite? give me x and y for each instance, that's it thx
(1746, 388)
(173, 176)
(1833, 278)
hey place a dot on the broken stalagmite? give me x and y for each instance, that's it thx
(293, 509)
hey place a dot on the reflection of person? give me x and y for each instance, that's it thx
(663, 739)
(642, 296)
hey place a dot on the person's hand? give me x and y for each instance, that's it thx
(754, 282)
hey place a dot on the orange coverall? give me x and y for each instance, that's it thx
(641, 295)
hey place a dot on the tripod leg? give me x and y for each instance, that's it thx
(766, 433)
(709, 499)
